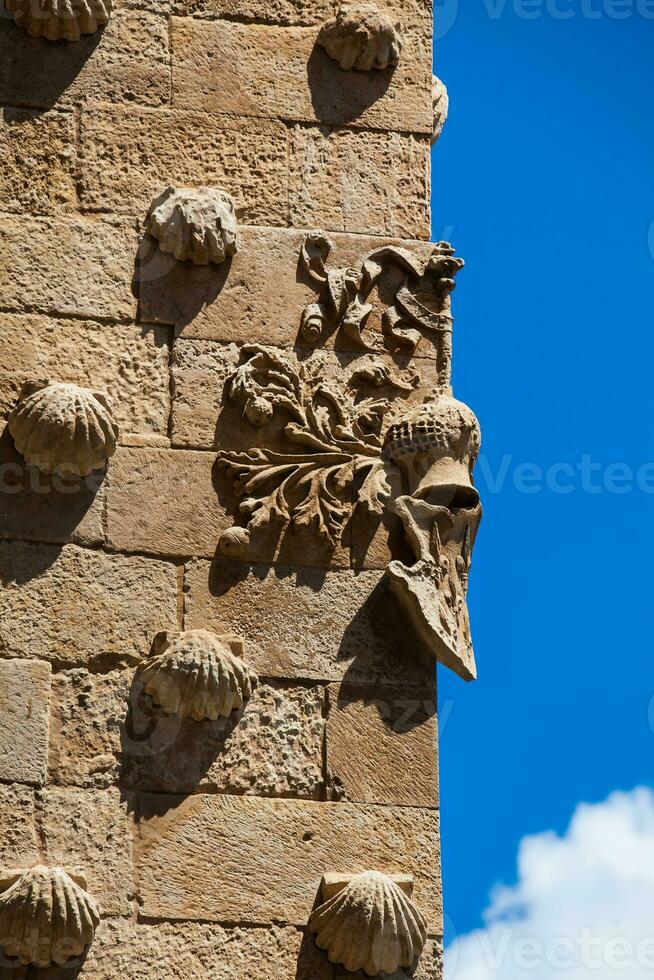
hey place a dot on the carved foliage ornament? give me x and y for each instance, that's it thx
(46, 916)
(368, 922)
(339, 434)
(60, 20)
(361, 37)
(196, 225)
(62, 428)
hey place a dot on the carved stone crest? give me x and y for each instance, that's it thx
(361, 441)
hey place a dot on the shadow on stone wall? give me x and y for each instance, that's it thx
(34, 72)
(339, 96)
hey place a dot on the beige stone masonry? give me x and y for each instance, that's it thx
(376, 183)
(182, 950)
(37, 507)
(89, 832)
(260, 298)
(126, 62)
(280, 72)
(382, 745)
(307, 622)
(272, 747)
(129, 156)
(72, 607)
(24, 718)
(220, 858)
(164, 503)
(18, 841)
(129, 363)
(78, 267)
(38, 153)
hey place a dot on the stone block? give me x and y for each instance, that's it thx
(18, 842)
(163, 502)
(260, 298)
(139, 951)
(129, 157)
(272, 747)
(38, 507)
(89, 832)
(242, 859)
(281, 73)
(127, 62)
(382, 746)
(301, 622)
(373, 182)
(24, 717)
(38, 161)
(74, 607)
(71, 266)
(87, 727)
(129, 362)
(291, 12)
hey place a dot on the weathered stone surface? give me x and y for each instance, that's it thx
(89, 832)
(307, 622)
(221, 858)
(18, 843)
(74, 607)
(129, 363)
(80, 266)
(163, 502)
(382, 746)
(126, 62)
(87, 726)
(203, 415)
(263, 277)
(280, 72)
(130, 157)
(24, 718)
(38, 507)
(272, 747)
(376, 183)
(266, 11)
(38, 161)
(194, 950)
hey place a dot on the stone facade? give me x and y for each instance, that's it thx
(241, 485)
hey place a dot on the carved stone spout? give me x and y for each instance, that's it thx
(436, 446)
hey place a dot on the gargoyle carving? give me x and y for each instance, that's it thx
(357, 447)
(421, 306)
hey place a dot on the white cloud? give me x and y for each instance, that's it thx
(583, 905)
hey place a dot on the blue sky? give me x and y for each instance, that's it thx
(543, 179)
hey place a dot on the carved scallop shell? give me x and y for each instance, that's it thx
(361, 37)
(197, 674)
(58, 20)
(45, 917)
(441, 106)
(196, 225)
(62, 428)
(370, 925)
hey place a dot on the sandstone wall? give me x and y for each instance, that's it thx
(203, 843)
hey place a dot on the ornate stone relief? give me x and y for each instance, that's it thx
(62, 428)
(441, 104)
(60, 20)
(338, 429)
(368, 922)
(46, 916)
(361, 37)
(360, 441)
(421, 300)
(197, 674)
(196, 225)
